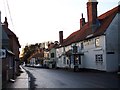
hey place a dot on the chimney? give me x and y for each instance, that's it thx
(60, 37)
(5, 22)
(82, 21)
(92, 11)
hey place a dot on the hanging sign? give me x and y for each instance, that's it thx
(2, 53)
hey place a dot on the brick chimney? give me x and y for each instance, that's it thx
(92, 11)
(82, 21)
(60, 37)
(5, 22)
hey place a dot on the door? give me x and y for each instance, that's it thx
(76, 62)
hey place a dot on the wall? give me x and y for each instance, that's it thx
(0, 58)
(53, 50)
(7, 69)
(15, 48)
(67, 61)
(60, 57)
(119, 38)
(90, 50)
(88, 60)
(112, 45)
(4, 71)
(67, 48)
(53, 57)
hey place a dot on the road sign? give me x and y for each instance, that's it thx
(2, 53)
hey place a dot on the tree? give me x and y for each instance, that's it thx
(31, 49)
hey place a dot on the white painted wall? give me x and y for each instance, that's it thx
(60, 62)
(67, 48)
(79, 46)
(88, 60)
(112, 44)
(60, 57)
(90, 51)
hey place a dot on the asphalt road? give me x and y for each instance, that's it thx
(57, 78)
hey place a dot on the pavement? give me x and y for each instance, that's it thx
(21, 82)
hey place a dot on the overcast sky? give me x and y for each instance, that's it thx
(36, 21)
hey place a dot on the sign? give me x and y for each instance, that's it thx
(2, 53)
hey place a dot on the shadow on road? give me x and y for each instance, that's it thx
(32, 79)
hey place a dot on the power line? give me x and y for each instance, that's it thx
(5, 7)
(9, 13)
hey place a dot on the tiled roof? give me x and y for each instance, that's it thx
(10, 33)
(50, 46)
(80, 35)
(53, 46)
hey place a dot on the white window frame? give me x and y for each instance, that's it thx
(97, 42)
(99, 58)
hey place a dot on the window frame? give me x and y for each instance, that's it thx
(52, 55)
(97, 42)
(82, 46)
(99, 58)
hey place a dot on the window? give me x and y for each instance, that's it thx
(74, 49)
(64, 60)
(97, 42)
(80, 60)
(52, 55)
(99, 58)
(82, 46)
(67, 61)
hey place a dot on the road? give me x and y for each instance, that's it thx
(57, 78)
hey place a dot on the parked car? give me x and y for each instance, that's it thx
(38, 65)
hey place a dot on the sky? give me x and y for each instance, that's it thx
(36, 21)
